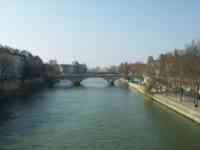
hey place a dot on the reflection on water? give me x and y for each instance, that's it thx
(63, 84)
(94, 82)
(90, 82)
(87, 118)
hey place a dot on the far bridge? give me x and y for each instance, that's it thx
(76, 79)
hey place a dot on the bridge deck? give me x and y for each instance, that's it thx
(106, 76)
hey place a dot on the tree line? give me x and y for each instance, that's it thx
(176, 71)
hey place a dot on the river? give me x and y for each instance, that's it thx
(93, 118)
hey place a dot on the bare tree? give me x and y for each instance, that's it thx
(124, 70)
(6, 66)
(151, 67)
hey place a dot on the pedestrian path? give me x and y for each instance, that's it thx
(185, 107)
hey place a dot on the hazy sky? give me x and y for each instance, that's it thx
(98, 32)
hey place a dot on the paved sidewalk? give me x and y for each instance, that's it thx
(184, 107)
(187, 101)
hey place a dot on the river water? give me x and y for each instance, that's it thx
(93, 118)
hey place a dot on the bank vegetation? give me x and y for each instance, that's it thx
(175, 72)
(21, 71)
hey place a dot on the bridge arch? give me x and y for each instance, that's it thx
(109, 81)
(64, 83)
(76, 79)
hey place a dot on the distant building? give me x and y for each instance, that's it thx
(82, 68)
(74, 68)
(53, 62)
(67, 68)
(96, 69)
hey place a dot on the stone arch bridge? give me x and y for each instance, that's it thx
(76, 79)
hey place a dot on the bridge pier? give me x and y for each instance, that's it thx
(77, 83)
(111, 82)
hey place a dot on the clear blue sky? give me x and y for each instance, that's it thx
(98, 32)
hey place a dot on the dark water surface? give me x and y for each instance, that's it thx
(87, 118)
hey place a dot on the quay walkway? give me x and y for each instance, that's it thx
(184, 107)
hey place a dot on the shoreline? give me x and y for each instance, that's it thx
(24, 89)
(183, 108)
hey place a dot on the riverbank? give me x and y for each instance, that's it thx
(185, 107)
(13, 88)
